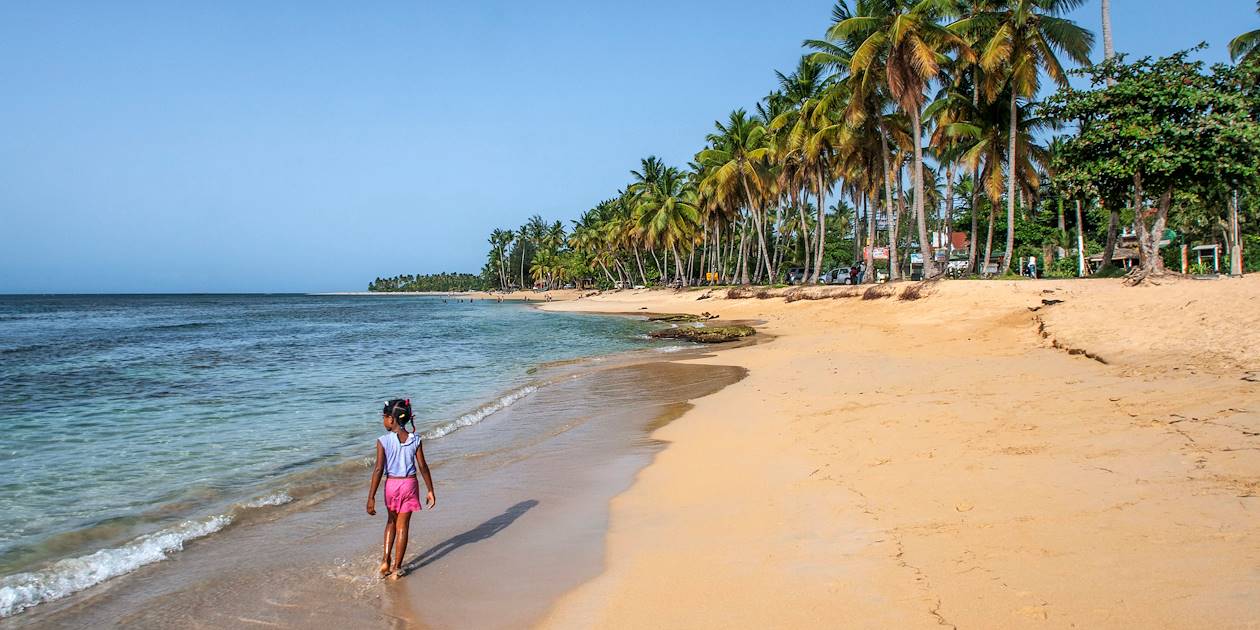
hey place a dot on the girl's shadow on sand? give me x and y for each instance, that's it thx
(476, 534)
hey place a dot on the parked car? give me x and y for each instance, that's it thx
(796, 275)
(839, 275)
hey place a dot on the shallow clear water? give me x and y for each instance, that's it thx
(122, 416)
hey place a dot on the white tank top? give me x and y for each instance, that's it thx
(400, 459)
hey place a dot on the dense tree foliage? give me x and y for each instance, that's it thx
(1158, 127)
(430, 282)
(909, 120)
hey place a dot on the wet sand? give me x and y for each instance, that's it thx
(522, 513)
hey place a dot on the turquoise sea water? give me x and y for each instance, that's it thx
(131, 424)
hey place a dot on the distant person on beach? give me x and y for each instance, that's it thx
(399, 456)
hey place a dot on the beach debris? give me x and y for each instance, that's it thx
(912, 292)
(1051, 302)
(705, 334)
(1252, 376)
(877, 292)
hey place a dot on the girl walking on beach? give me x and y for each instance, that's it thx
(399, 456)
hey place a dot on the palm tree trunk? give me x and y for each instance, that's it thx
(1109, 50)
(920, 213)
(503, 267)
(691, 263)
(894, 224)
(822, 225)
(639, 259)
(1235, 238)
(888, 194)
(859, 224)
(1080, 242)
(1011, 161)
(522, 287)
(719, 262)
(704, 251)
(804, 229)
(949, 211)
(605, 268)
(988, 242)
(973, 241)
(757, 221)
(743, 252)
(872, 221)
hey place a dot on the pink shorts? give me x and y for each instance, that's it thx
(402, 495)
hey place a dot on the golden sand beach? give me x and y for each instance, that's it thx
(989, 455)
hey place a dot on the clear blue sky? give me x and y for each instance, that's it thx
(309, 146)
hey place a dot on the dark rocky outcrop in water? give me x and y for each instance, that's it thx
(680, 317)
(713, 334)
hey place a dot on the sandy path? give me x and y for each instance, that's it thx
(895, 463)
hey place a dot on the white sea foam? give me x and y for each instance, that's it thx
(670, 348)
(23, 590)
(481, 413)
(278, 498)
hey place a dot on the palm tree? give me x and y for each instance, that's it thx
(988, 148)
(499, 240)
(1027, 36)
(522, 241)
(666, 214)
(737, 157)
(800, 91)
(1242, 48)
(902, 47)
(530, 235)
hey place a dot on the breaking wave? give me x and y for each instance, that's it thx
(71, 575)
(480, 413)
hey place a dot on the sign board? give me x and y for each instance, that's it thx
(940, 256)
(878, 253)
(990, 268)
(916, 258)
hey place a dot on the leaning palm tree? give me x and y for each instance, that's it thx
(1027, 36)
(1245, 47)
(902, 48)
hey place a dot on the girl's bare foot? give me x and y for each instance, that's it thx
(397, 573)
(384, 570)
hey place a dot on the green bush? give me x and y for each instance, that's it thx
(1065, 267)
